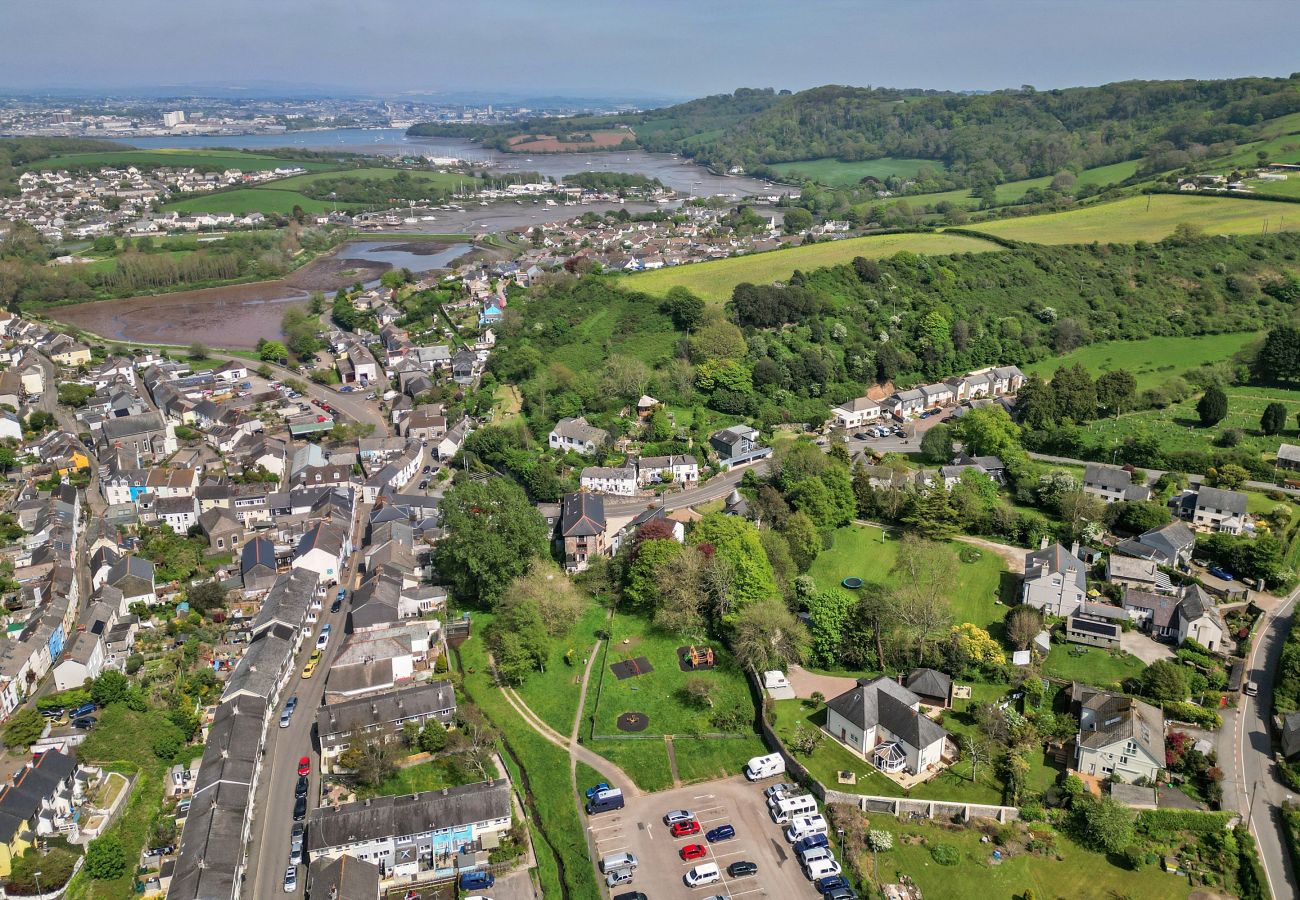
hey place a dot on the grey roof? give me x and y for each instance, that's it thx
(1111, 477)
(582, 515)
(257, 552)
(258, 673)
(129, 426)
(886, 702)
(361, 712)
(1161, 606)
(1216, 498)
(408, 814)
(1289, 452)
(1163, 544)
(345, 878)
(929, 683)
(1121, 718)
(288, 600)
(734, 435)
(1055, 559)
(579, 430)
(133, 566)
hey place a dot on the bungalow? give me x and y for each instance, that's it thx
(738, 444)
(1054, 581)
(577, 436)
(619, 480)
(855, 413)
(1112, 484)
(1119, 737)
(881, 721)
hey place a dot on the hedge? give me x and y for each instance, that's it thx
(1196, 715)
(1156, 822)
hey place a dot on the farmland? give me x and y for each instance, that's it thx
(1148, 218)
(205, 160)
(1151, 361)
(1011, 191)
(715, 280)
(445, 181)
(589, 140)
(249, 200)
(838, 173)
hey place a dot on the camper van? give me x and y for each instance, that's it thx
(605, 801)
(806, 826)
(761, 767)
(787, 808)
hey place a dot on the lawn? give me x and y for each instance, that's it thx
(1091, 665)
(658, 694)
(1070, 871)
(838, 173)
(426, 776)
(645, 761)
(204, 160)
(1011, 191)
(867, 553)
(1147, 218)
(553, 693)
(249, 200)
(1152, 361)
(714, 280)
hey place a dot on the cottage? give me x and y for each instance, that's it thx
(577, 436)
(661, 469)
(1055, 581)
(1112, 484)
(388, 713)
(1169, 545)
(223, 531)
(620, 481)
(1142, 574)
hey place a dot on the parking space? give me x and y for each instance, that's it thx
(639, 829)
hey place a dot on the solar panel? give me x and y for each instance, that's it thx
(1104, 629)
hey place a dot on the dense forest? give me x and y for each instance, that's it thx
(998, 136)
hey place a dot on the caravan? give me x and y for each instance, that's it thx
(761, 767)
(787, 808)
(806, 826)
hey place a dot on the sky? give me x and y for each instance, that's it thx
(635, 48)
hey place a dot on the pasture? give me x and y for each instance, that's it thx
(1011, 191)
(204, 160)
(1147, 218)
(1152, 361)
(249, 200)
(715, 280)
(437, 180)
(838, 173)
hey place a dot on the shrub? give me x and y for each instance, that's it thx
(945, 854)
(105, 858)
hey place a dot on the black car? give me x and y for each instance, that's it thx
(84, 723)
(631, 895)
(742, 868)
(336, 606)
(301, 789)
(300, 809)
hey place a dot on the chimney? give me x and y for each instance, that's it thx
(1042, 545)
(1074, 549)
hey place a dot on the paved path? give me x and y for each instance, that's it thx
(805, 683)
(1144, 648)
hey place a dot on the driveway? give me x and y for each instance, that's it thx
(1144, 648)
(805, 683)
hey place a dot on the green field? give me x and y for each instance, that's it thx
(859, 551)
(1147, 218)
(249, 200)
(715, 280)
(838, 173)
(1288, 188)
(437, 180)
(1091, 665)
(1152, 361)
(207, 160)
(553, 693)
(1011, 191)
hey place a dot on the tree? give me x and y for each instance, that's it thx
(989, 431)
(75, 395)
(491, 536)
(371, 757)
(1036, 403)
(641, 588)
(1015, 777)
(1102, 823)
(1023, 625)
(110, 687)
(518, 638)
(198, 350)
(1279, 357)
(559, 601)
(804, 540)
(973, 644)
(1212, 407)
(681, 598)
(736, 540)
(932, 514)
(936, 445)
(206, 597)
(685, 309)
(1137, 516)
(978, 749)
(1165, 681)
(768, 636)
(1273, 420)
(796, 220)
(433, 737)
(273, 351)
(698, 691)
(1116, 390)
(24, 728)
(106, 858)
(1075, 392)
(1230, 476)
(828, 613)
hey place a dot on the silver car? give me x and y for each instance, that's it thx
(291, 880)
(673, 816)
(619, 876)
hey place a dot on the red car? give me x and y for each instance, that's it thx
(694, 851)
(681, 829)
(304, 768)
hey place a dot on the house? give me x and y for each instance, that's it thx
(345, 878)
(134, 577)
(179, 513)
(411, 834)
(231, 372)
(82, 659)
(933, 687)
(855, 413)
(386, 713)
(907, 403)
(1153, 613)
(1214, 509)
(147, 434)
(223, 531)
(582, 529)
(577, 436)
(322, 549)
(645, 406)
(1169, 545)
(1142, 574)
(453, 439)
(1118, 736)
(464, 364)
(738, 444)
(881, 721)
(1112, 484)
(620, 480)
(257, 565)
(1055, 581)
(1198, 620)
(659, 469)
(1291, 735)
(1288, 457)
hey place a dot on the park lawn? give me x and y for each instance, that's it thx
(249, 200)
(705, 759)
(1152, 361)
(657, 694)
(838, 173)
(715, 280)
(1093, 665)
(205, 160)
(1070, 871)
(1147, 218)
(1011, 191)
(588, 777)
(866, 552)
(544, 768)
(553, 694)
(646, 761)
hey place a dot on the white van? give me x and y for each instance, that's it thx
(705, 873)
(786, 809)
(806, 826)
(815, 855)
(618, 861)
(822, 868)
(761, 767)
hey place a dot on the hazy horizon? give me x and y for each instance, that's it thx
(669, 49)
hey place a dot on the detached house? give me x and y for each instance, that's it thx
(1112, 484)
(577, 436)
(1214, 509)
(881, 721)
(582, 530)
(1055, 581)
(1118, 736)
(738, 444)
(855, 413)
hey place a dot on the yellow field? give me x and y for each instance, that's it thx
(715, 280)
(1129, 220)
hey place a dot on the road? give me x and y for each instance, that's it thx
(353, 406)
(268, 851)
(715, 488)
(1259, 793)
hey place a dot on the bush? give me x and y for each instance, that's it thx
(105, 858)
(1196, 715)
(945, 854)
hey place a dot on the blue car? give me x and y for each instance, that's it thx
(721, 833)
(1220, 573)
(808, 843)
(830, 883)
(472, 881)
(83, 710)
(596, 789)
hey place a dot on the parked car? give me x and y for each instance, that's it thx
(291, 879)
(304, 765)
(323, 640)
(84, 723)
(84, 710)
(682, 829)
(426, 470)
(474, 880)
(296, 836)
(693, 852)
(299, 809)
(596, 789)
(1220, 573)
(830, 883)
(841, 893)
(300, 789)
(742, 868)
(721, 833)
(772, 790)
(811, 842)
(1251, 689)
(619, 876)
(336, 606)
(673, 816)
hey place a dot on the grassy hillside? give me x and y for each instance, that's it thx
(440, 180)
(1152, 361)
(715, 280)
(205, 160)
(1012, 191)
(249, 200)
(1147, 218)
(838, 173)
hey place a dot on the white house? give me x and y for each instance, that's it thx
(1112, 484)
(1118, 736)
(677, 469)
(578, 436)
(855, 413)
(322, 550)
(620, 480)
(1055, 581)
(881, 721)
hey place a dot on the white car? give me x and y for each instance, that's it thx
(323, 641)
(291, 880)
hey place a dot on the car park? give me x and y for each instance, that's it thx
(742, 868)
(693, 851)
(721, 833)
(684, 829)
(673, 816)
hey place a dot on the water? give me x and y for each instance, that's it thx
(678, 174)
(403, 256)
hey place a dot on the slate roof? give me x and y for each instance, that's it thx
(1055, 559)
(1162, 607)
(929, 683)
(1110, 477)
(578, 430)
(886, 702)
(408, 814)
(582, 515)
(1233, 502)
(257, 552)
(362, 712)
(1120, 718)
(345, 878)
